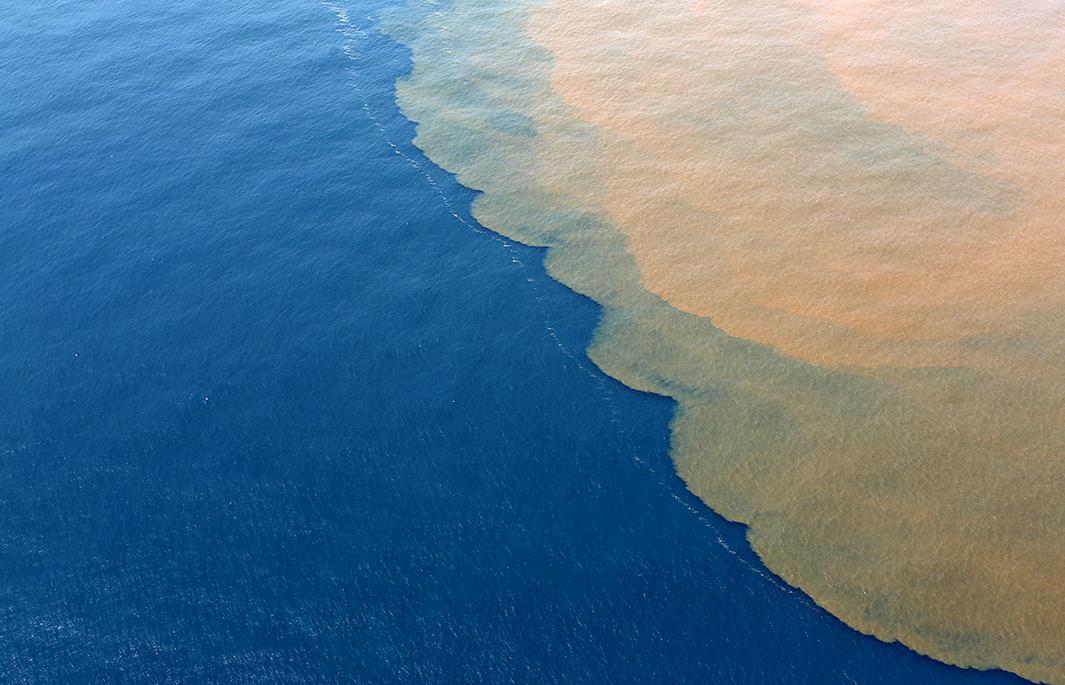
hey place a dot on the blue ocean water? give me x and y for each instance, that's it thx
(274, 409)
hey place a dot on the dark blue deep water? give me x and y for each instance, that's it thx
(270, 413)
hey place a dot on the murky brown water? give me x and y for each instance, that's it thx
(833, 232)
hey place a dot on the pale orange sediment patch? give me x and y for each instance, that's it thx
(736, 171)
(985, 83)
(878, 190)
(741, 161)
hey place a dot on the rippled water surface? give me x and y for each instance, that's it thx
(832, 232)
(274, 407)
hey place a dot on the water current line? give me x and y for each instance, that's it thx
(354, 35)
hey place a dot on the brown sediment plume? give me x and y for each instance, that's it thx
(984, 83)
(755, 189)
(854, 293)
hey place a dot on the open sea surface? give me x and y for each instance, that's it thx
(275, 408)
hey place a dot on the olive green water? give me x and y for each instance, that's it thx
(854, 299)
